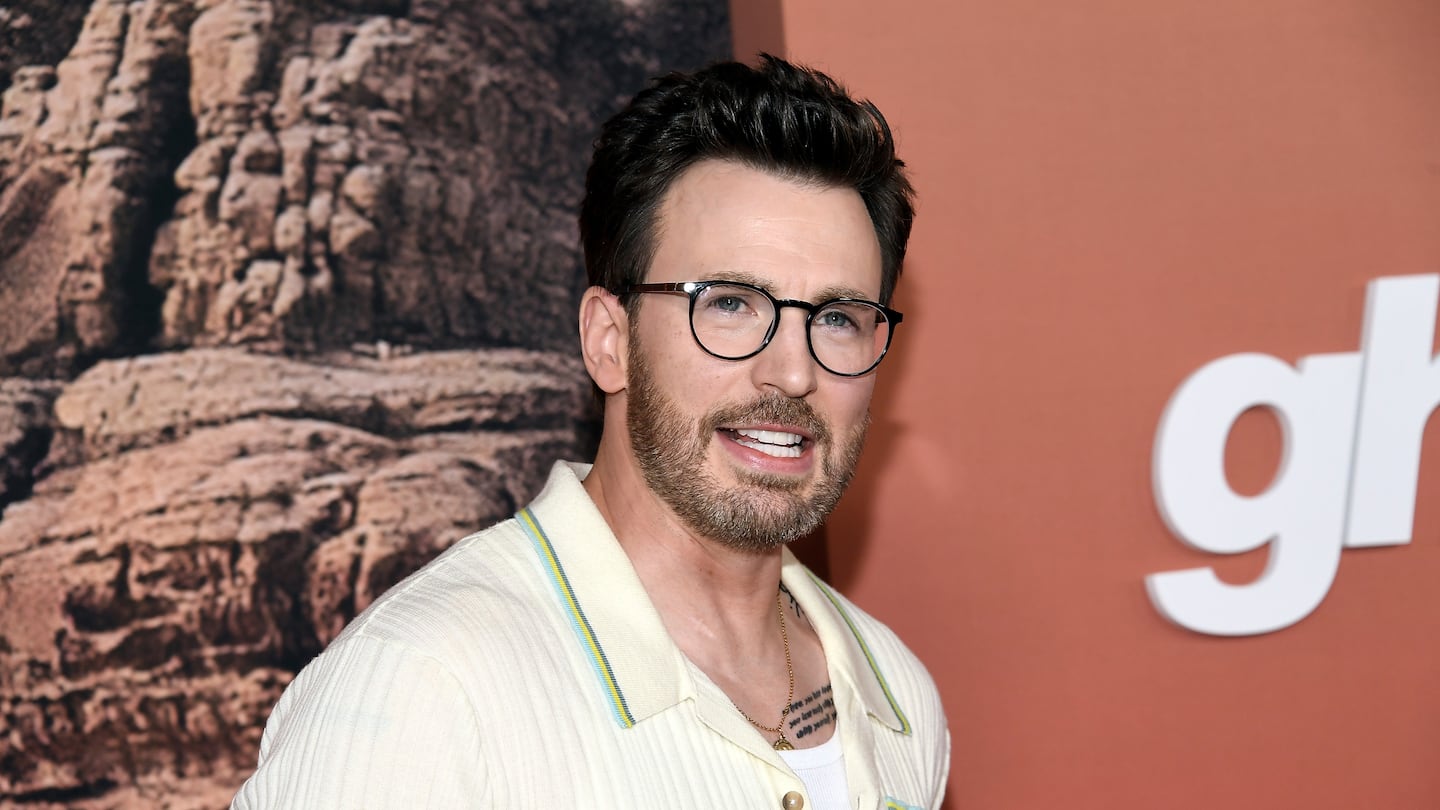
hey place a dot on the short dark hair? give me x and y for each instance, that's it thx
(791, 121)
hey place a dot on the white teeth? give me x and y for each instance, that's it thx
(776, 450)
(771, 442)
(772, 436)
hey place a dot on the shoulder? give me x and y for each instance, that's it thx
(420, 663)
(372, 723)
(486, 582)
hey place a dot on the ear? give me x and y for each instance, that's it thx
(604, 338)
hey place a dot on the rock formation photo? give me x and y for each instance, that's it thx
(289, 294)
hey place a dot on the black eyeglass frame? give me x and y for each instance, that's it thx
(692, 289)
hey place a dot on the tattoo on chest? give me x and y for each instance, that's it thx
(811, 713)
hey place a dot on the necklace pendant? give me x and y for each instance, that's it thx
(783, 744)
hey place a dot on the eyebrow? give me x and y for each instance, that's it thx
(823, 294)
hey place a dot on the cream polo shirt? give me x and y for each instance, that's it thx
(527, 668)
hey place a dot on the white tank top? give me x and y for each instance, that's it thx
(822, 769)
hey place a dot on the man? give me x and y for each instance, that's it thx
(639, 636)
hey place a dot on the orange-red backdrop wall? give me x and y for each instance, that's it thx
(1113, 194)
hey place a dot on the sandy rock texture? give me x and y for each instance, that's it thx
(189, 553)
(308, 175)
(288, 293)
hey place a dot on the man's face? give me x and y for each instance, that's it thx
(755, 452)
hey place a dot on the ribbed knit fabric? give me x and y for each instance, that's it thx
(822, 769)
(526, 667)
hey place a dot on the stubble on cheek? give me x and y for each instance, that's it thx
(764, 510)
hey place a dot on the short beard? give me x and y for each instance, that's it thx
(763, 511)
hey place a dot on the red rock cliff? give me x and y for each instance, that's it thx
(288, 294)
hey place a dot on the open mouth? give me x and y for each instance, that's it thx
(776, 443)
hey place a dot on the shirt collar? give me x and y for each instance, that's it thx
(638, 667)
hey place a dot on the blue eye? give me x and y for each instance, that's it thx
(726, 300)
(835, 319)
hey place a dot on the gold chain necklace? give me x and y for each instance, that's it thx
(780, 744)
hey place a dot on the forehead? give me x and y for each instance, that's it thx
(720, 219)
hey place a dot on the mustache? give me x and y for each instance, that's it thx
(770, 408)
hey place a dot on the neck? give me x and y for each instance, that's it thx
(708, 593)
(717, 603)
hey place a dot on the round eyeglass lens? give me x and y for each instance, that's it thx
(848, 337)
(731, 321)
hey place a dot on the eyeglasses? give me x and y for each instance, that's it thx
(734, 321)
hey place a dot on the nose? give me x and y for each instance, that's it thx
(786, 365)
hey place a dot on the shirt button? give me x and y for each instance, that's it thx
(792, 801)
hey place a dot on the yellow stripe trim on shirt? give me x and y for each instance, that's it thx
(865, 648)
(581, 625)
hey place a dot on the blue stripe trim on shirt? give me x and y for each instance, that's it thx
(865, 648)
(583, 631)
